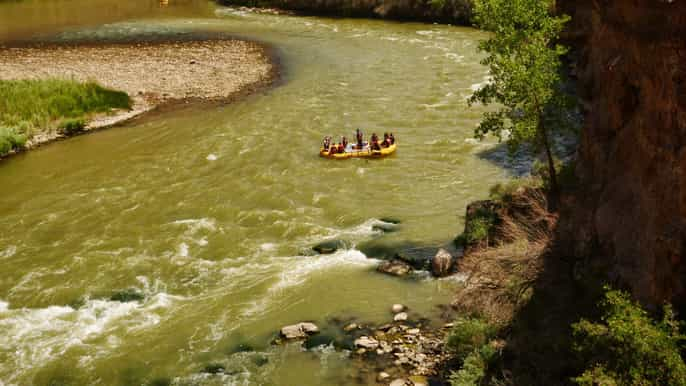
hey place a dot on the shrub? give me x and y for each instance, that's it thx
(10, 140)
(474, 368)
(627, 347)
(504, 192)
(467, 335)
(479, 226)
(5, 146)
(72, 126)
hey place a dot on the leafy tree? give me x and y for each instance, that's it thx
(627, 347)
(524, 62)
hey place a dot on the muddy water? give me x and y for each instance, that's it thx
(208, 212)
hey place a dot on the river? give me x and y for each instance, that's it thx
(208, 211)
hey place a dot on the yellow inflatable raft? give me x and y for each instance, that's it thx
(367, 152)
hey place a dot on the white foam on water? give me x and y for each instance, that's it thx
(454, 57)
(4, 306)
(39, 335)
(477, 86)
(195, 225)
(298, 269)
(211, 157)
(8, 252)
(182, 250)
(267, 247)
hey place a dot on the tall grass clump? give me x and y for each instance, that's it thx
(10, 139)
(29, 105)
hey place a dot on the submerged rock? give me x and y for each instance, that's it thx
(299, 331)
(127, 295)
(214, 368)
(390, 220)
(318, 340)
(394, 267)
(385, 227)
(329, 247)
(442, 263)
(383, 376)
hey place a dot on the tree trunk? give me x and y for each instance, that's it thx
(552, 174)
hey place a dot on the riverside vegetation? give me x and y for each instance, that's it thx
(31, 107)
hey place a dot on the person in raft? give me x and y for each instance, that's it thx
(386, 141)
(344, 141)
(327, 143)
(360, 139)
(391, 138)
(375, 142)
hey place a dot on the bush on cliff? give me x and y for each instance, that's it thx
(468, 335)
(627, 347)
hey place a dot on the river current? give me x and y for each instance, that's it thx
(209, 211)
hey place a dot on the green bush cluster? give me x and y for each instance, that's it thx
(10, 139)
(467, 335)
(474, 367)
(469, 341)
(72, 126)
(628, 347)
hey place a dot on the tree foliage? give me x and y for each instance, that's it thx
(524, 63)
(627, 347)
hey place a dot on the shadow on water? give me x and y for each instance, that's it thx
(518, 164)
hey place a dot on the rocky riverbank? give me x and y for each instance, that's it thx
(407, 350)
(151, 73)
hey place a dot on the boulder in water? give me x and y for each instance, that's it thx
(397, 308)
(394, 267)
(299, 331)
(390, 220)
(401, 317)
(328, 247)
(318, 340)
(367, 343)
(442, 263)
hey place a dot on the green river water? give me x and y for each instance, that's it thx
(194, 208)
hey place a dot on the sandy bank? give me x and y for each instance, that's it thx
(151, 73)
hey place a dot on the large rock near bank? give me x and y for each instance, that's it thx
(442, 263)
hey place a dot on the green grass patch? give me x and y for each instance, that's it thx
(31, 106)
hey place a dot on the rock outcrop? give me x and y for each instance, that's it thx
(629, 220)
(446, 11)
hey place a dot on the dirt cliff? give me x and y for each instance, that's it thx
(445, 11)
(629, 219)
